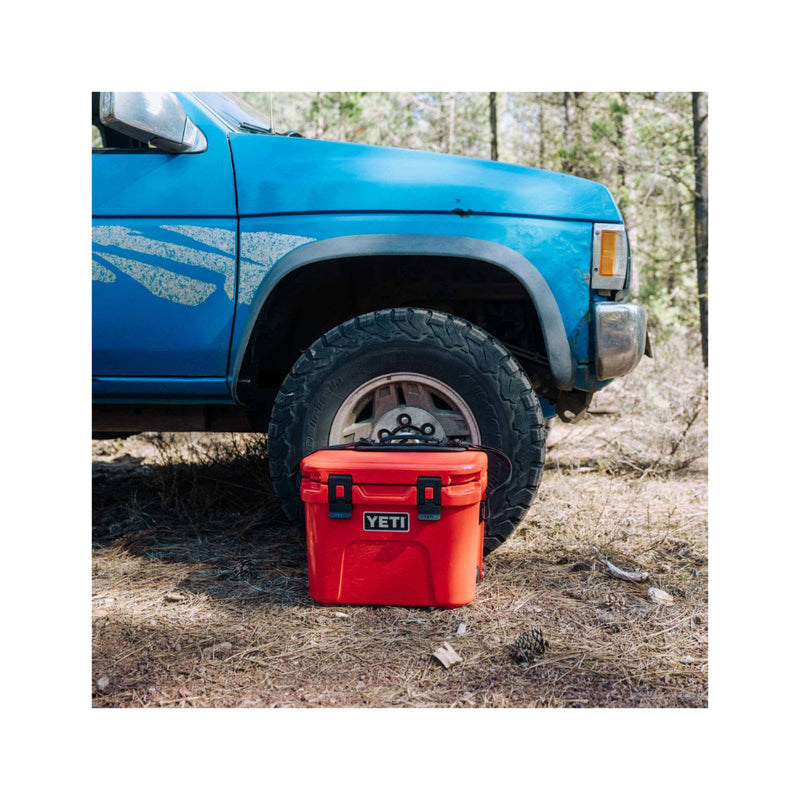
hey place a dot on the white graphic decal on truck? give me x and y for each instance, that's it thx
(260, 252)
(159, 278)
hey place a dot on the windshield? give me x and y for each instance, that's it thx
(233, 109)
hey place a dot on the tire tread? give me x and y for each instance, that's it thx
(473, 345)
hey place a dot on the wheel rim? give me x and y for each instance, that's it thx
(409, 401)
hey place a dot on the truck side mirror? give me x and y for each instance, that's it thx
(155, 117)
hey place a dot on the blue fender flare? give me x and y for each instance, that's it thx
(562, 363)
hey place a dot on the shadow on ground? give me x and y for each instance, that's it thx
(200, 594)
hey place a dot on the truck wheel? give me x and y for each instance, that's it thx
(425, 369)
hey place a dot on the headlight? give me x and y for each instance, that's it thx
(609, 256)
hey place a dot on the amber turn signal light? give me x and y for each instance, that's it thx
(608, 253)
(609, 256)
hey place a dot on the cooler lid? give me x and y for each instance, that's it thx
(396, 468)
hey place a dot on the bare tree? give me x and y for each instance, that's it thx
(493, 123)
(572, 136)
(452, 133)
(320, 130)
(540, 107)
(630, 200)
(700, 120)
(566, 133)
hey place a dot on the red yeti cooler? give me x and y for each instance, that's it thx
(394, 525)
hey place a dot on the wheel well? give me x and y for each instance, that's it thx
(317, 297)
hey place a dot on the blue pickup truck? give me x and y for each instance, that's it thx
(245, 280)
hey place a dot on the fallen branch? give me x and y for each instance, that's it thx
(616, 572)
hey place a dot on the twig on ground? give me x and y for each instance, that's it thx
(616, 572)
(447, 656)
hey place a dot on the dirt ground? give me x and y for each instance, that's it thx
(200, 589)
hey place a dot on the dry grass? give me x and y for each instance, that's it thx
(200, 591)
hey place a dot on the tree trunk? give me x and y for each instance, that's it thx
(628, 195)
(442, 126)
(541, 129)
(566, 138)
(452, 137)
(700, 120)
(320, 119)
(493, 123)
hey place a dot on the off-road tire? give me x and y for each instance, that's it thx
(443, 346)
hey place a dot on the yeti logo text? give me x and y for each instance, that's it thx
(375, 521)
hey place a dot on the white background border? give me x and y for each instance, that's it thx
(57, 55)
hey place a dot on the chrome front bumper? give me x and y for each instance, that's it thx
(620, 334)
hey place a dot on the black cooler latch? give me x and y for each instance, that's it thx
(340, 496)
(429, 499)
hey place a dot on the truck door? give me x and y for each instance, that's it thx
(164, 239)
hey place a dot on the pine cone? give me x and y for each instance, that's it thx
(243, 569)
(530, 645)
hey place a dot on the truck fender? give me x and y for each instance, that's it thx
(562, 363)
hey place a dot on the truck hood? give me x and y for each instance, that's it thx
(280, 175)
